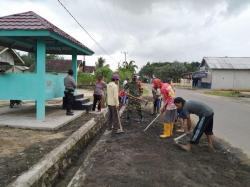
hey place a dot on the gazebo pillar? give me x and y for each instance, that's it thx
(74, 65)
(40, 72)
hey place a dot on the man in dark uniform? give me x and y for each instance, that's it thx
(70, 86)
(134, 91)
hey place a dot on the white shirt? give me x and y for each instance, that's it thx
(125, 82)
(112, 94)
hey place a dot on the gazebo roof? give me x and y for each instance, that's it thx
(20, 31)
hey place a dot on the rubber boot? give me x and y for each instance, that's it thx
(166, 131)
(171, 128)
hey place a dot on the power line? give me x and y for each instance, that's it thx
(84, 29)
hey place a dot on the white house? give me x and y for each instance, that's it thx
(224, 73)
(10, 61)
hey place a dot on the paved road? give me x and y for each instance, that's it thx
(232, 117)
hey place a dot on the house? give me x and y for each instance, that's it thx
(61, 66)
(224, 73)
(10, 61)
(88, 69)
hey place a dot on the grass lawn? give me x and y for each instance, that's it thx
(231, 93)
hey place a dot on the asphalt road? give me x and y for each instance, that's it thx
(231, 120)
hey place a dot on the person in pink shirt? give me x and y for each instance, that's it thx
(99, 93)
(168, 109)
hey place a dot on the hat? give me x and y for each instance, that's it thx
(157, 83)
(115, 77)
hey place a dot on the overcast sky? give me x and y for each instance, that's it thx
(150, 30)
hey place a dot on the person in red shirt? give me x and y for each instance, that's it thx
(168, 109)
(123, 97)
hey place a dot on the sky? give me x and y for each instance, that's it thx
(149, 30)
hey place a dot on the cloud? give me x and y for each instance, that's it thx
(150, 30)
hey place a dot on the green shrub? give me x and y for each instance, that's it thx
(125, 73)
(85, 79)
(104, 71)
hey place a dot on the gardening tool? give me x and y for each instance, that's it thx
(151, 122)
(179, 137)
(139, 99)
(119, 121)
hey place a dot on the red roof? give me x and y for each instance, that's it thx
(60, 66)
(88, 69)
(32, 21)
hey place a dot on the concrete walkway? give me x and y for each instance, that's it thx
(25, 117)
(231, 117)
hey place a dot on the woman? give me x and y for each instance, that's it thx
(99, 93)
(168, 109)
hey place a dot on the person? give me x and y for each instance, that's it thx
(113, 104)
(157, 99)
(204, 125)
(70, 86)
(99, 93)
(15, 102)
(125, 82)
(122, 97)
(168, 109)
(134, 90)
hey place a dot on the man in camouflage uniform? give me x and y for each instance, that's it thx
(134, 89)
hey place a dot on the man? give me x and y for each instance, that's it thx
(113, 104)
(134, 90)
(70, 86)
(204, 125)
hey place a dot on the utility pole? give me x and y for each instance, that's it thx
(125, 55)
(118, 65)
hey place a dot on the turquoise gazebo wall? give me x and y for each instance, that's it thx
(25, 86)
(54, 86)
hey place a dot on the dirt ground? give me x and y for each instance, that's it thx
(21, 149)
(143, 159)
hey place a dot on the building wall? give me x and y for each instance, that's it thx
(24, 86)
(230, 79)
(208, 79)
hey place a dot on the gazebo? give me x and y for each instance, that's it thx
(31, 33)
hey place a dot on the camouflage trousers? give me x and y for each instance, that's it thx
(134, 105)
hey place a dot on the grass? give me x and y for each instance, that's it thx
(224, 93)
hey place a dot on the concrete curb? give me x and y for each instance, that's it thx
(45, 172)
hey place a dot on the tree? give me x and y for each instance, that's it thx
(105, 72)
(130, 66)
(100, 62)
(28, 58)
(124, 73)
(167, 70)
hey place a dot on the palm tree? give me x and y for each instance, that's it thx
(100, 62)
(130, 66)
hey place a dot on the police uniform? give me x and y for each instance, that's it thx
(70, 86)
